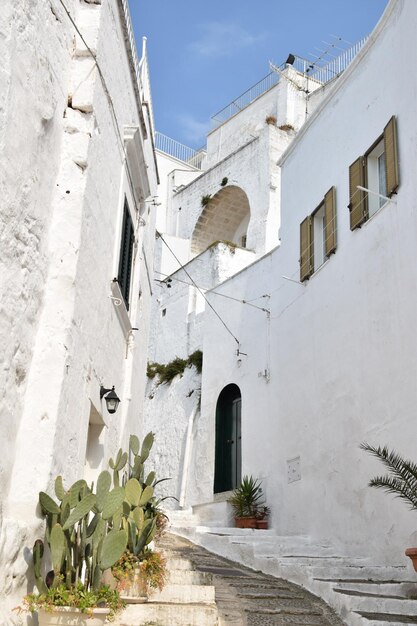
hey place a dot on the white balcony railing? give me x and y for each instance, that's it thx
(179, 151)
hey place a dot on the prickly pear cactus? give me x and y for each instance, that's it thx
(78, 530)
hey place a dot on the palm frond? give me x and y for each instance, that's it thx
(401, 468)
(403, 479)
(396, 487)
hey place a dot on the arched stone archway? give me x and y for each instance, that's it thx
(227, 467)
(225, 218)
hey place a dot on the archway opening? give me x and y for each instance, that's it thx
(228, 462)
(224, 218)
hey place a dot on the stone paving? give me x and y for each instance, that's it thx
(245, 597)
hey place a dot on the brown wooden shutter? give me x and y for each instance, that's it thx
(391, 156)
(306, 248)
(358, 205)
(330, 232)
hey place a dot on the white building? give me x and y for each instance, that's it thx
(76, 234)
(328, 359)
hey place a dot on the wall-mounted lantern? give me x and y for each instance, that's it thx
(112, 400)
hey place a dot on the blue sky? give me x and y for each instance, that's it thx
(204, 54)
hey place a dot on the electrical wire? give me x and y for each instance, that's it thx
(158, 234)
(223, 295)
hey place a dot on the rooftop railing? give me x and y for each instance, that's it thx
(320, 72)
(179, 150)
(325, 72)
(251, 94)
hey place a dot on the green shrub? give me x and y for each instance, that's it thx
(168, 372)
(172, 369)
(196, 359)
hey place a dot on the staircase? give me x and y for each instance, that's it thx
(361, 593)
(188, 598)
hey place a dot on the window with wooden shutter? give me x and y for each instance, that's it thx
(330, 232)
(126, 255)
(391, 156)
(306, 248)
(357, 198)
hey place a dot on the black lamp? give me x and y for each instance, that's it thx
(290, 60)
(112, 400)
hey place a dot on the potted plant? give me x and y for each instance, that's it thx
(137, 576)
(401, 481)
(139, 568)
(246, 501)
(84, 538)
(262, 515)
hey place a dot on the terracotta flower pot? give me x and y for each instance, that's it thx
(412, 553)
(135, 589)
(245, 522)
(68, 616)
(262, 523)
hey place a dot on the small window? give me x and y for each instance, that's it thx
(374, 178)
(243, 241)
(376, 175)
(164, 312)
(126, 255)
(318, 236)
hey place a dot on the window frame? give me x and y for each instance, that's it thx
(125, 274)
(308, 239)
(371, 198)
(323, 257)
(359, 174)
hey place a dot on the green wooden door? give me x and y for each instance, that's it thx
(227, 473)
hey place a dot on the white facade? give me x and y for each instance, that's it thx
(339, 350)
(76, 143)
(213, 241)
(333, 360)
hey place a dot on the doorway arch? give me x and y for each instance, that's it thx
(228, 454)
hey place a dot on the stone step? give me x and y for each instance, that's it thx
(230, 531)
(241, 552)
(382, 604)
(168, 614)
(341, 569)
(383, 619)
(380, 588)
(184, 517)
(175, 563)
(271, 547)
(184, 594)
(188, 577)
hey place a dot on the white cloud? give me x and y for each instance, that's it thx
(219, 40)
(192, 130)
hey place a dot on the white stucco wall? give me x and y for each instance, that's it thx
(172, 412)
(63, 184)
(177, 312)
(173, 174)
(259, 182)
(284, 101)
(342, 347)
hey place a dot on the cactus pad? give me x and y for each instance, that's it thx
(82, 508)
(113, 501)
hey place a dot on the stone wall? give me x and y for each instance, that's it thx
(69, 158)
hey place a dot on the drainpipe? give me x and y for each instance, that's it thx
(187, 453)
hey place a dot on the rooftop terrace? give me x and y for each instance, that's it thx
(322, 71)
